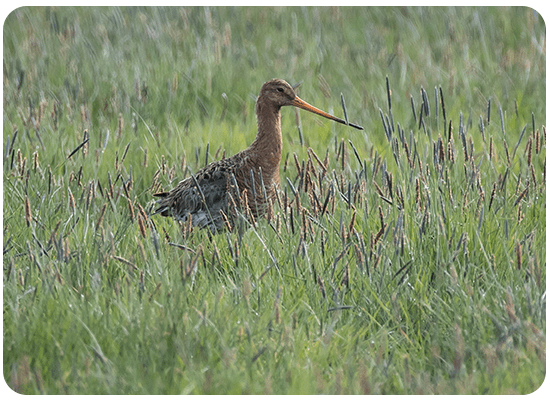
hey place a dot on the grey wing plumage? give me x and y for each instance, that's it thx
(201, 196)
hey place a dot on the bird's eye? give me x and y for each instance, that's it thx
(280, 90)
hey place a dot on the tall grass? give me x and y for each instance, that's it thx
(409, 258)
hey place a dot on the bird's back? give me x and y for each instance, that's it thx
(200, 197)
(208, 195)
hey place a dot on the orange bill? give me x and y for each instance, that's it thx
(298, 102)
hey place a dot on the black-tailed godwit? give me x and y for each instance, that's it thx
(212, 196)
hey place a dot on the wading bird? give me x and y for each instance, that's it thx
(249, 179)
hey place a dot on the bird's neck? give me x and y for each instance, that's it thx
(268, 145)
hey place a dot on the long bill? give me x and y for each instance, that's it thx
(298, 102)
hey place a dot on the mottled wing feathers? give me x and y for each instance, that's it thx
(201, 196)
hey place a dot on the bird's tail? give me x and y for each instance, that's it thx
(163, 204)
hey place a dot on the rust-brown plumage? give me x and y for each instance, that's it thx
(216, 191)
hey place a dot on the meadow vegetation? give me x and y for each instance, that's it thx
(408, 258)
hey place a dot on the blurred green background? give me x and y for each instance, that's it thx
(173, 64)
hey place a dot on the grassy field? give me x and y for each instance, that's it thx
(408, 258)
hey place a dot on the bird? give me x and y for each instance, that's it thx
(249, 179)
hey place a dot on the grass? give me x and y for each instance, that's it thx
(411, 258)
